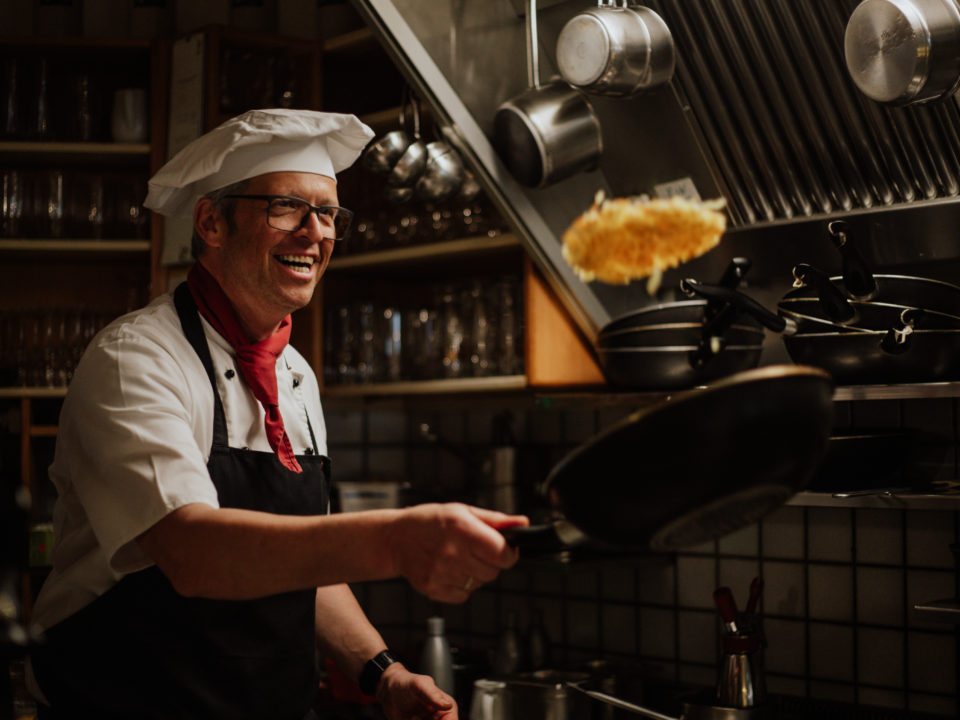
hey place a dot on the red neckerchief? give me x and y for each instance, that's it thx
(257, 361)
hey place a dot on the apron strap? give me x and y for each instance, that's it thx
(193, 330)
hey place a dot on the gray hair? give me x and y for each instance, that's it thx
(226, 207)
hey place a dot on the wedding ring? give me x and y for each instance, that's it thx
(468, 584)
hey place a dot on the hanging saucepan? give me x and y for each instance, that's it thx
(548, 132)
(693, 467)
(443, 174)
(618, 51)
(411, 164)
(382, 155)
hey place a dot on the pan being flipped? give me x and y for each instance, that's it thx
(698, 465)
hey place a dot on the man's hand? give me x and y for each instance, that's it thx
(404, 695)
(446, 551)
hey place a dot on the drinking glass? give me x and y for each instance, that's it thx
(482, 339)
(11, 203)
(346, 346)
(51, 203)
(509, 342)
(368, 365)
(391, 340)
(452, 334)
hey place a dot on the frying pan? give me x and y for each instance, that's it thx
(669, 334)
(686, 311)
(857, 280)
(866, 316)
(676, 366)
(696, 466)
(866, 357)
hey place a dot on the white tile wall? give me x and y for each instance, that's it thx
(932, 662)
(831, 592)
(839, 584)
(879, 536)
(830, 534)
(831, 651)
(929, 535)
(783, 532)
(880, 657)
(784, 592)
(698, 633)
(696, 581)
(880, 595)
(619, 629)
(657, 633)
(786, 651)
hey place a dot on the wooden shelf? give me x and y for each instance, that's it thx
(890, 500)
(39, 245)
(32, 392)
(84, 149)
(353, 41)
(414, 253)
(43, 431)
(430, 387)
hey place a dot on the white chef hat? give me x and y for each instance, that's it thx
(254, 143)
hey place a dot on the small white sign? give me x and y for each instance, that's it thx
(683, 187)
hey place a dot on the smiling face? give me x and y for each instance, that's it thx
(267, 273)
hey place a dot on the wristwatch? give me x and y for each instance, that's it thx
(373, 670)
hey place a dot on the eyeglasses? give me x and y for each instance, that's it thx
(290, 214)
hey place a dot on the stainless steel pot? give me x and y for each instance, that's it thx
(619, 51)
(548, 132)
(904, 51)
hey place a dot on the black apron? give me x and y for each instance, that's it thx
(142, 650)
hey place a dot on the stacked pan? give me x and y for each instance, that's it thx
(866, 328)
(681, 344)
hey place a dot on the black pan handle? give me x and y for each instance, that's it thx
(731, 278)
(833, 302)
(899, 338)
(737, 299)
(857, 274)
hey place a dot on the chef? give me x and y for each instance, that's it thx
(195, 566)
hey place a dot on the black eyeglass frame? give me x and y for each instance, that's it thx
(314, 210)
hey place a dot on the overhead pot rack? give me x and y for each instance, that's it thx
(760, 110)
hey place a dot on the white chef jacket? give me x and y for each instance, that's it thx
(133, 442)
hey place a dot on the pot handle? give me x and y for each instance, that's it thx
(618, 703)
(857, 275)
(834, 303)
(742, 302)
(899, 338)
(533, 49)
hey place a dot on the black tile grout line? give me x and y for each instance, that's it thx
(855, 609)
(676, 623)
(834, 563)
(906, 611)
(806, 602)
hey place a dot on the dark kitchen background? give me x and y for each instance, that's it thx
(488, 360)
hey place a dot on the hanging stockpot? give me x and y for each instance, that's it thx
(616, 51)
(548, 132)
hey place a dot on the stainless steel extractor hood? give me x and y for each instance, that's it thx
(761, 111)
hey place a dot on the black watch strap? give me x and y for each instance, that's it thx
(373, 670)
